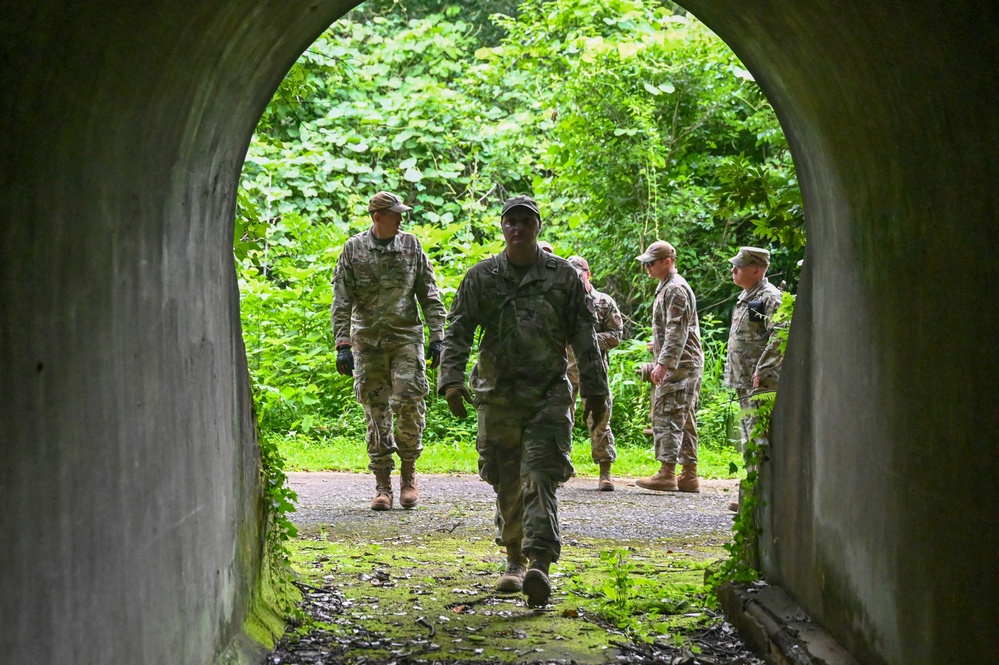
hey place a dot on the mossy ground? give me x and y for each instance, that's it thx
(434, 594)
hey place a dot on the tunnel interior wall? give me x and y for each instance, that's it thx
(131, 530)
(880, 501)
(131, 527)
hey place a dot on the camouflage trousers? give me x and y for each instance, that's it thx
(674, 423)
(601, 437)
(387, 383)
(524, 455)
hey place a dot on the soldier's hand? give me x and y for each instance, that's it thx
(344, 360)
(594, 408)
(434, 354)
(456, 395)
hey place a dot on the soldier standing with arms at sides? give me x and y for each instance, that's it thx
(754, 356)
(381, 277)
(609, 328)
(676, 347)
(529, 305)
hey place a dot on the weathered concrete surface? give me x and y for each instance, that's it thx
(776, 627)
(881, 487)
(130, 526)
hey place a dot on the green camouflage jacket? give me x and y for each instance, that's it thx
(752, 344)
(376, 290)
(525, 329)
(676, 332)
(609, 328)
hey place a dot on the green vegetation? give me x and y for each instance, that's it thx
(408, 585)
(279, 500)
(743, 563)
(274, 600)
(627, 119)
(449, 444)
(345, 454)
(641, 591)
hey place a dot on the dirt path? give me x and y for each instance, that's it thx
(463, 503)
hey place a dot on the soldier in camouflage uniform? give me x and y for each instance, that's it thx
(381, 277)
(676, 347)
(529, 305)
(609, 328)
(754, 356)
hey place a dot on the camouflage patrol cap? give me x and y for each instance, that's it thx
(660, 249)
(751, 256)
(546, 246)
(579, 263)
(521, 201)
(387, 201)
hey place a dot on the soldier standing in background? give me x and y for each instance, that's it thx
(754, 356)
(381, 277)
(609, 328)
(679, 362)
(530, 305)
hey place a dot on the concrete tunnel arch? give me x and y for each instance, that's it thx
(128, 461)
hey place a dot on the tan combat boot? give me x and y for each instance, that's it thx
(605, 484)
(687, 482)
(664, 480)
(537, 585)
(512, 578)
(409, 493)
(383, 490)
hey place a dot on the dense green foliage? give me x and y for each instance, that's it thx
(653, 130)
(476, 13)
(627, 121)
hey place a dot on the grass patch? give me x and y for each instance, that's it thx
(636, 461)
(441, 455)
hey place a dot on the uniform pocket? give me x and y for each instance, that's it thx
(670, 396)
(409, 373)
(562, 464)
(551, 425)
(359, 377)
(671, 387)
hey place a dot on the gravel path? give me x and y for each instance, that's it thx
(463, 503)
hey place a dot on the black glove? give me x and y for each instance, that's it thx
(434, 353)
(344, 360)
(594, 408)
(456, 395)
